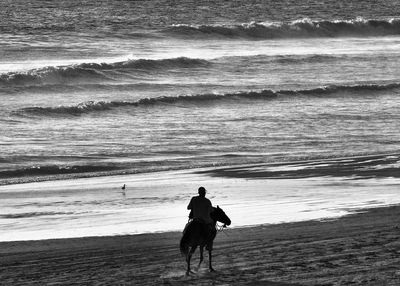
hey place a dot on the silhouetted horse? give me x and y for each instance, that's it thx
(197, 233)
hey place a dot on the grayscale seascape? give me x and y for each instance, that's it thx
(285, 111)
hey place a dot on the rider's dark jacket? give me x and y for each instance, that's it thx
(201, 207)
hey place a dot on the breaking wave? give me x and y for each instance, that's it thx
(91, 72)
(304, 28)
(91, 106)
(332, 89)
(147, 64)
(52, 75)
(110, 75)
(95, 106)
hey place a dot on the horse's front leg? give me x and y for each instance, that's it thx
(201, 256)
(209, 260)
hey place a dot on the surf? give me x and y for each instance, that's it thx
(93, 72)
(199, 99)
(302, 28)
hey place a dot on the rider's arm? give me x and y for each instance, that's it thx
(190, 205)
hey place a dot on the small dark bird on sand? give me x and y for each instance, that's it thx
(123, 187)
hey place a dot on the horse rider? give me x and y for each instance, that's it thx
(201, 209)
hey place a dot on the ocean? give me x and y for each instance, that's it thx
(106, 88)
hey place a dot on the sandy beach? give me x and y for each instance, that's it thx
(358, 249)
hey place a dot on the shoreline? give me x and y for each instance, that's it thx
(361, 249)
(212, 169)
(156, 202)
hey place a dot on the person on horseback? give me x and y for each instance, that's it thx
(201, 229)
(201, 208)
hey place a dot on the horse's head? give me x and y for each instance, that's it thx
(219, 215)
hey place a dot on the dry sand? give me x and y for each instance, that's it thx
(359, 249)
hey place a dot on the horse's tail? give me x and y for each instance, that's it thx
(183, 245)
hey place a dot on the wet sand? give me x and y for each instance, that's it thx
(359, 249)
(360, 167)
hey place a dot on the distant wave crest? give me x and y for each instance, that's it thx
(96, 106)
(54, 170)
(304, 28)
(91, 106)
(91, 72)
(32, 214)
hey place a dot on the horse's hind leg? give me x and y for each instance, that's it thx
(189, 256)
